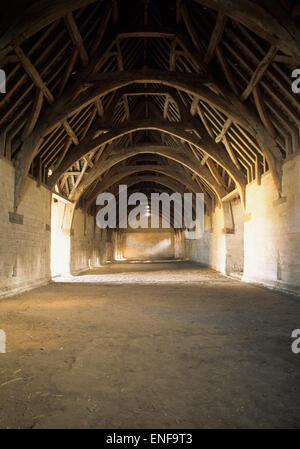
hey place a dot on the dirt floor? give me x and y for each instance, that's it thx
(182, 354)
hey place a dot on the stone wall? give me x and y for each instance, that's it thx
(272, 231)
(210, 248)
(143, 244)
(265, 244)
(221, 251)
(88, 243)
(24, 248)
(235, 241)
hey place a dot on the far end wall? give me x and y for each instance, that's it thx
(142, 244)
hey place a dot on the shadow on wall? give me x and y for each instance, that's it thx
(219, 248)
(148, 245)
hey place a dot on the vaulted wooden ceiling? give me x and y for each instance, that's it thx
(191, 93)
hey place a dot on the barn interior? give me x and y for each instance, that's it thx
(138, 327)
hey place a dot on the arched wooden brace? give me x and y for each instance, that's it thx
(173, 153)
(226, 206)
(180, 176)
(167, 171)
(250, 14)
(164, 180)
(206, 144)
(174, 186)
(36, 17)
(253, 16)
(228, 103)
(140, 91)
(167, 182)
(106, 83)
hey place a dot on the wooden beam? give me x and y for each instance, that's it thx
(226, 70)
(258, 171)
(262, 22)
(106, 83)
(10, 59)
(33, 73)
(224, 130)
(205, 122)
(70, 132)
(115, 10)
(89, 161)
(79, 179)
(231, 152)
(194, 106)
(231, 195)
(215, 37)
(256, 76)
(168, 172)
(214, 171)
(259, 72)
(173, 153)
(59, 197)
(178, 10)
(34, 115)
(76, 38)
(63, 154)
(99, 107)
(285, 59)
(205, 144)
(73, 173)
(166, 107)
(119, 55)
(172, 58)
(190, 27)
(204, 159)
(259, 102)
(102, 28)
(68, 71)
(37, 15)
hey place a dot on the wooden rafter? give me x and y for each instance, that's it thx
(70, 132)
(76, 38)
(33, 73)
(49, 135)
(34, 115)
(215, 37)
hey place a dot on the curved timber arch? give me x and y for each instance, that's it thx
(253, 16)
(102, 84)
(179, 176)
(176, 173)
(174, 153)
(207, 145)
(159, 188)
